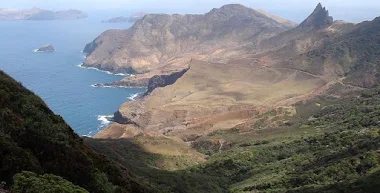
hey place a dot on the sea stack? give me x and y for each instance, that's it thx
(46, 48)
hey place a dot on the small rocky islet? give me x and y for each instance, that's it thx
(46, 48)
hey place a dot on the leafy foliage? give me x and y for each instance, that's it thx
(33, 138)
(330, 147)
(333, 147)
(32, 183)
(144, 165)
(342, 155)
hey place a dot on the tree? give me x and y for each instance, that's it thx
(29, 182)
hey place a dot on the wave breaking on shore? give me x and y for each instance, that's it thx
(112, 86)
(105, 121)
(37, 51)
(133, 97)
(108, 72)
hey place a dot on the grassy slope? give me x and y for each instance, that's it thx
(329, 146)
(167, 173)
(335, 151)
(354, 55)
(33, 138)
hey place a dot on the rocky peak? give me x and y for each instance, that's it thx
(231, 10)
(318, 19)
(233, 7)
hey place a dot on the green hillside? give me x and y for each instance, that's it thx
(331, 145)
(33, 138)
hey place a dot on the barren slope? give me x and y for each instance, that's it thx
(162, 44)
(215, 96)
(211, 96)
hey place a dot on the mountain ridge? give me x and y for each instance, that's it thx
(269, 110)
(318, 19)
(194, 102)
(173, 40)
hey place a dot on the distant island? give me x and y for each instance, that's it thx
(122, 19)
(46, 48)
(117, 20)
(39, 14)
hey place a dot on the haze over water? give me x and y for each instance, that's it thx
(56, 77)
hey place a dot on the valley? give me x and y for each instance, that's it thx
(237, 100)
(264, 92)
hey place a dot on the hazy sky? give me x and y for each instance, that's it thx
(296, 10)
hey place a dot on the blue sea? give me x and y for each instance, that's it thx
(56, 77)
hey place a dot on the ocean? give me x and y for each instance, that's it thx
(56, 77)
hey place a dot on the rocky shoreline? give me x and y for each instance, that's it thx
(101, 70)
(139, 81)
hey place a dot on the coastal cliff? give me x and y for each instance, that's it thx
(318, 57)
(160, 44)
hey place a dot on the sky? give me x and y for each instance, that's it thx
(295, 10)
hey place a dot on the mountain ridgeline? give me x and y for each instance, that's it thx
(238, 100)
(318, 19)
(252, 94)
(160, 44)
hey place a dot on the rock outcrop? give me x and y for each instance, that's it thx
(163, 80)
(318, 28)
(318, 19)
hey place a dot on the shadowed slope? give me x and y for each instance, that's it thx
(33, 138)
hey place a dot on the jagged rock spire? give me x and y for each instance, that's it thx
(318, 19)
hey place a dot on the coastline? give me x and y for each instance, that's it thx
(107, 72)
(113, 86)
(107, 120)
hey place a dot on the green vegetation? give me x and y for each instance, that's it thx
(47, 183)
(311, 164)
(334, 150)
(331, 145)
(355, 52)
(147, 166)
(33, 139)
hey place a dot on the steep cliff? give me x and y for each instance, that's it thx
(336, 58)
(162, 44)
